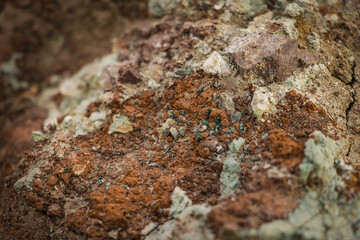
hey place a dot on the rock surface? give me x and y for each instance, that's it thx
(214, 120)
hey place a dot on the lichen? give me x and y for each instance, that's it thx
(229, 178)
(322, 213)
(187, 221)
(38, 136)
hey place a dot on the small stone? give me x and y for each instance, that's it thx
(263, 101)
(128, 73)
(236, 117)
(120, 124)
(219, 5)
(267, 166)
(219, 149)
(182, 131)
(154, 85)
(164, 130)
(236, 144)
(67, 122)
(293, 10)
(113, 234)
(38, 136)
(54, 210)
(215, 64)
(174, 133)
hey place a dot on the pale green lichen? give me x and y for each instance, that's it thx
(322, 213)
(38, 136)
(229, 177)
(236, 145)
(179, 202)
(81, 125)
(26, 180)
(319, 160)
(187, 221)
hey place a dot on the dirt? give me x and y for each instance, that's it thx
(180, 121)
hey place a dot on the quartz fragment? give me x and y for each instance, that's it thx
(215, 64)
(263, 101)
(121, 124)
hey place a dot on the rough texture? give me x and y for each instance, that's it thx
(210, 120)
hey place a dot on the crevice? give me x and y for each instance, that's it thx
(351, 84)
(351, 105)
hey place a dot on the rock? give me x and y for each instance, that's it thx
(128, 73)
(121, 124)
(263, 101)
(216, 65)
(38, 136)
(164, 130)
(55, 210)
(182, 131)
(174, 133)
(163, 140)
(219, 149)
(293, 10)
(267, 58)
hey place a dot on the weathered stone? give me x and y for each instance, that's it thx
(293, 10)
(128, 73)
(268, 58)
(174, 133)
(55, 210)
(121, 124)
(263, 101)
(215, 64)
(38, 136)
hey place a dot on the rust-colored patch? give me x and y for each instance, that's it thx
(269, 187)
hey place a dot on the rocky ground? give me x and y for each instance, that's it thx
(206, 120)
